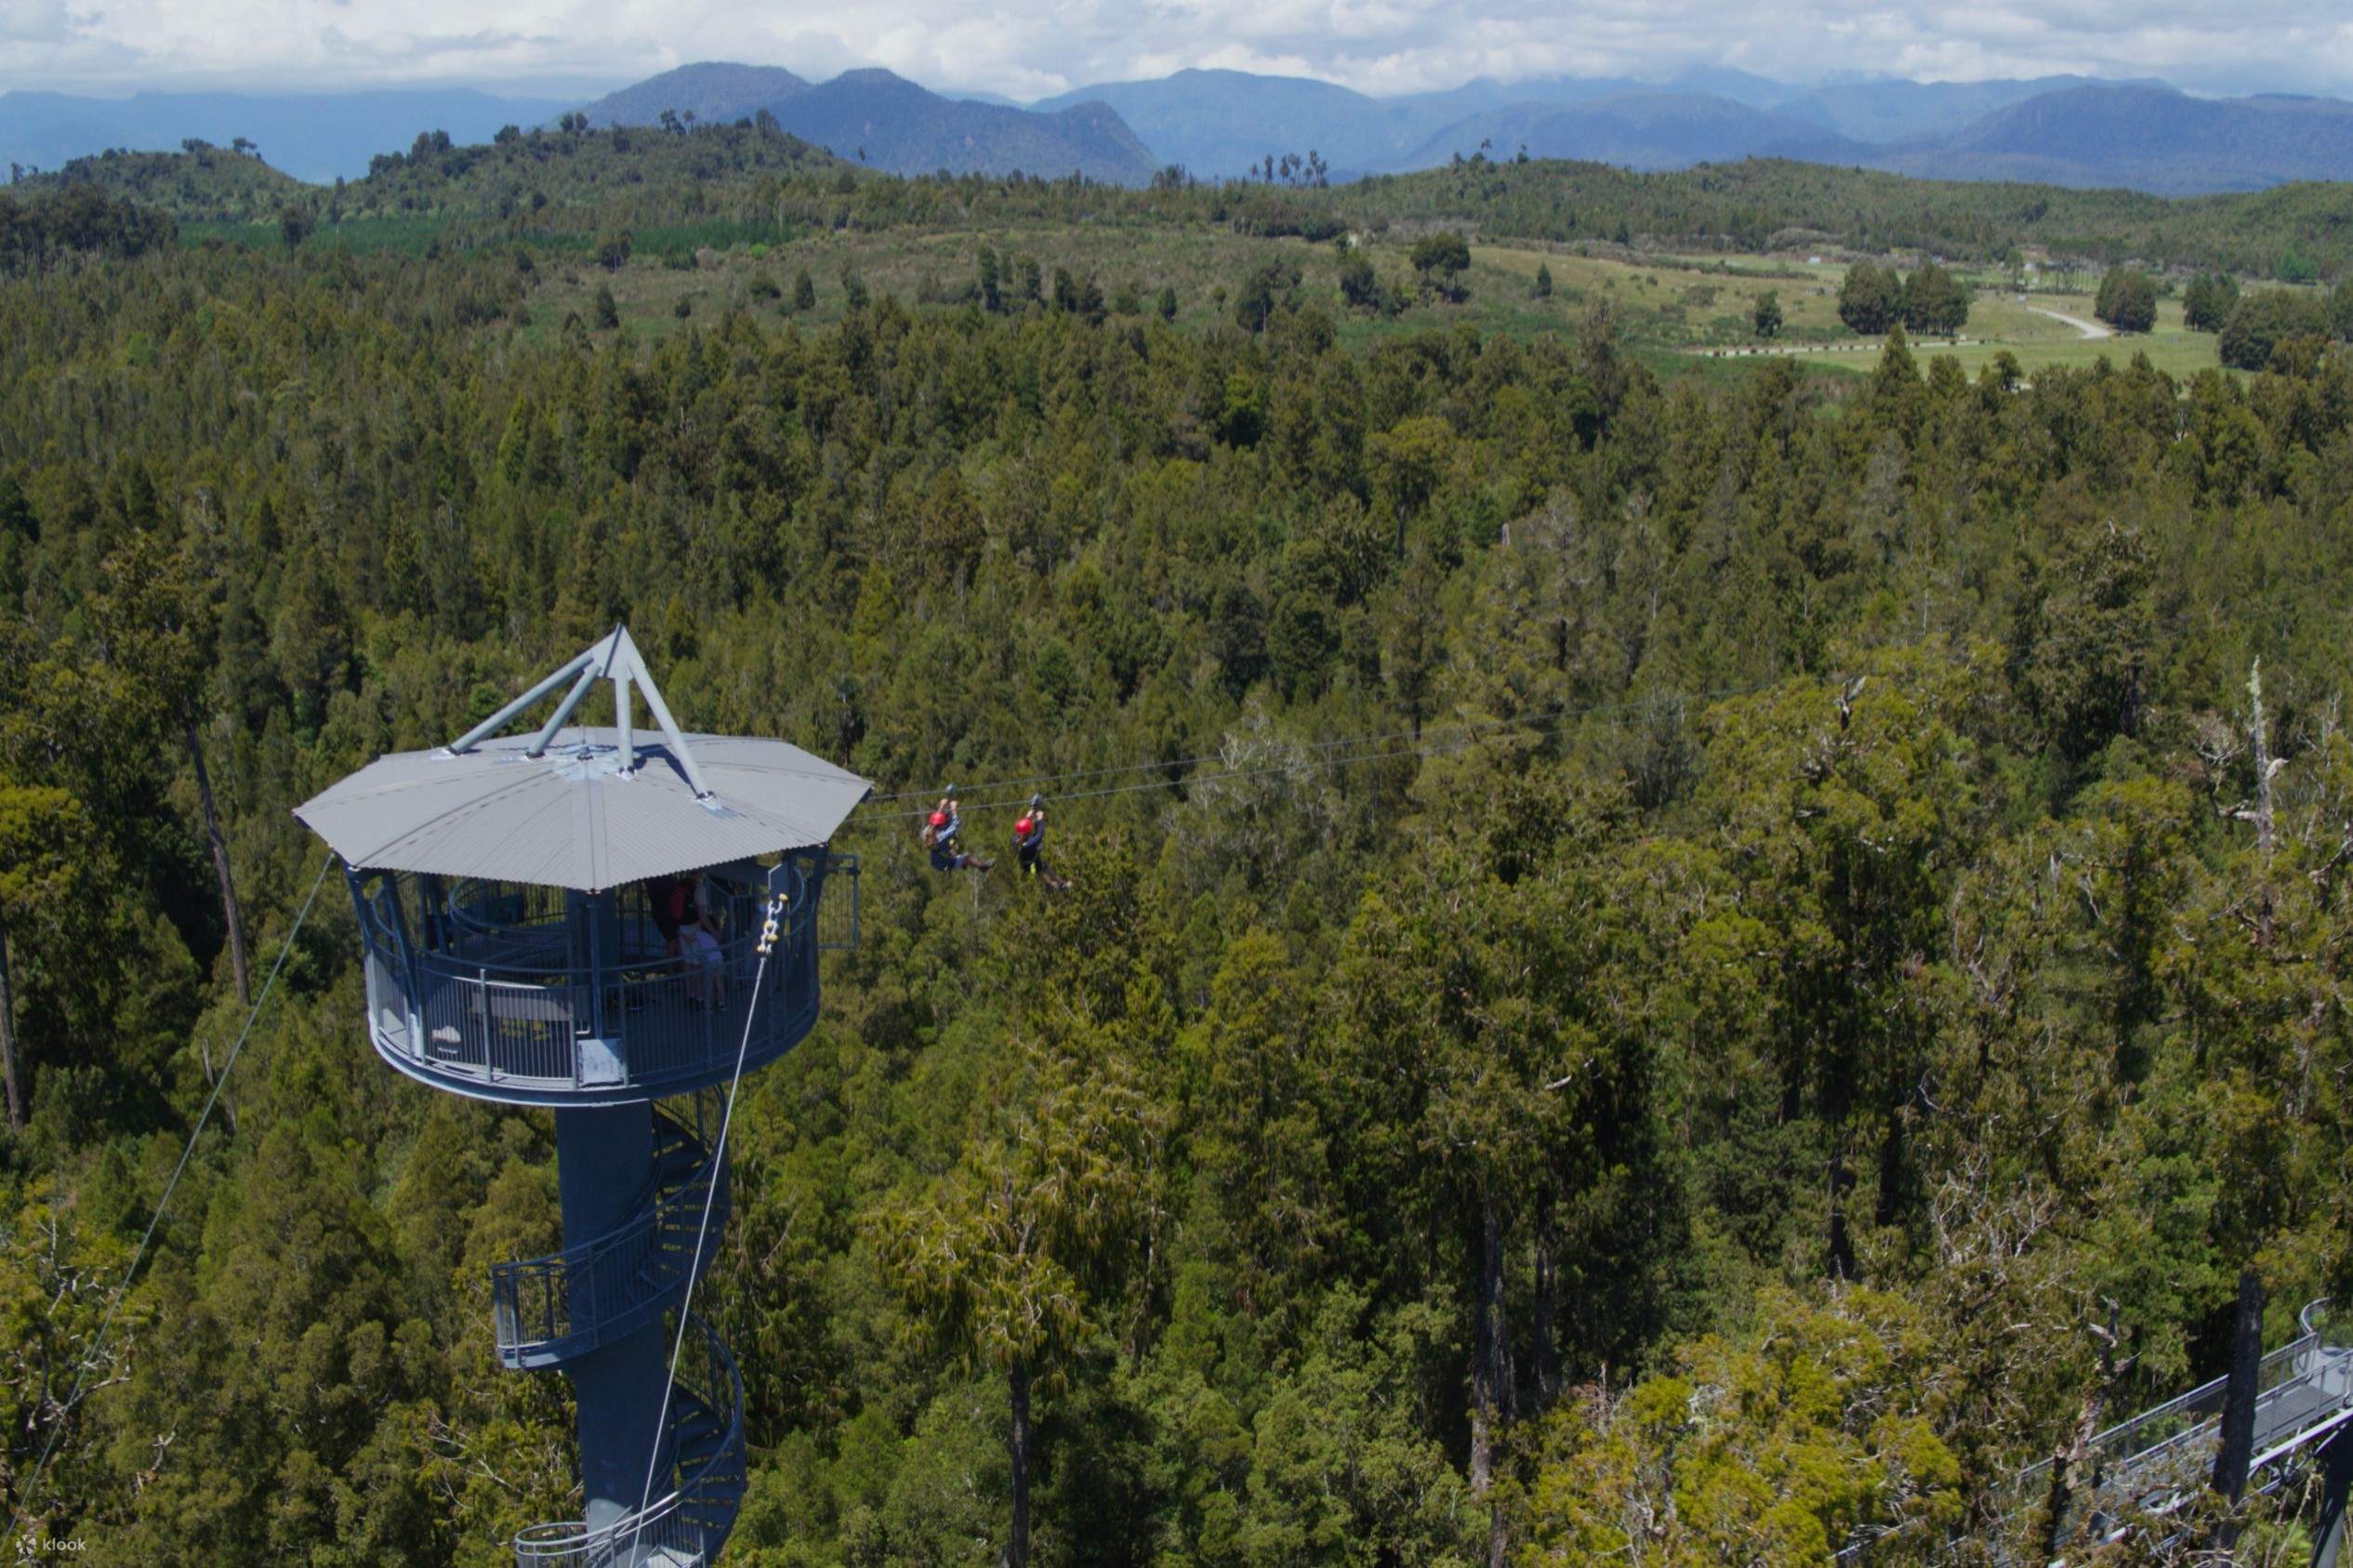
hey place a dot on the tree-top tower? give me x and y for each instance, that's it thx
(520, 902)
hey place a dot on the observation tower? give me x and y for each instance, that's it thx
(520, 902)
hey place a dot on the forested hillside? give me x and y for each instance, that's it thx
(537, 182)
(1650, 968)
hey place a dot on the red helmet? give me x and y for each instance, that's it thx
(939, 819)
(1022, 828)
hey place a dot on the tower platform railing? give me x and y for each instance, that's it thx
(695, 1501)
(504, 992)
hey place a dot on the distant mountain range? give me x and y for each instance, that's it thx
(712, 91)
(886, 122)
(2150, 138)
(1639, 130)
(2063, 130)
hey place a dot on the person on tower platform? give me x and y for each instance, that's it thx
(1029, 843)
(939, 838)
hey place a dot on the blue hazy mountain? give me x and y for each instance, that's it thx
(2149, 138)
(713, 91)
(886, 122)
(1638, 130)
(1218, 123)
(313, 137)
(1894, 112)
(1723, 81)
(1222, 124)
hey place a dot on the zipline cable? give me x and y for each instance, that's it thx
(1540, 718)
(768, 938)
(32, 1483)
(1436, 748)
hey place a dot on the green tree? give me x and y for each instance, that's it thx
(1017, 1256)
(1871, 299)
(2266, 321)
(2127, 299)
(992, 293)
(1767, 317)
(804, 291)
(2207, 304)
(1440, 259)
(608, 310)
(1409, 460)
(1934, 301)
(2086, 640)
(49, 864)
(1267, 289)
(156, 623)
(1543, 279)
(1776, 1446)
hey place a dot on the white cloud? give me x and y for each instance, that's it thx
(32, 22)
(1031, 49)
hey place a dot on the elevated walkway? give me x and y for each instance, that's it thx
(2146, 1468)
(2155, 1464)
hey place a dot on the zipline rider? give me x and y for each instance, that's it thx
(1029, 843)
(939, 838)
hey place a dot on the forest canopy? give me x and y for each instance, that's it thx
(1694, 970)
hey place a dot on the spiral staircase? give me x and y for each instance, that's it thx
(552, 1309)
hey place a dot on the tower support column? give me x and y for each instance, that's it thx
(604, 1158)
(2336, 1478)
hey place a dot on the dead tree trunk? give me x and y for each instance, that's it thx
(2238, 1394)
(1840, 1259)
(8, 1035)
(1017, 1446)
(228, 912)
(2061, 1491)
(1545, 1371)
(1490, 1375)
(2267, 768)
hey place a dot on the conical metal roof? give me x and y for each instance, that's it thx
(592, 809)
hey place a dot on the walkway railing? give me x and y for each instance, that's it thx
(2159, 1459)
(696, 1500)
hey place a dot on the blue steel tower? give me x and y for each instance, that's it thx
(574, 919)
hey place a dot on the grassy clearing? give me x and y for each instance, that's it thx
(1204, 268)
(2171, 345)
(1672, 310)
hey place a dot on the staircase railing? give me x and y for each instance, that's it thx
(690, 1520)
(547, 1311)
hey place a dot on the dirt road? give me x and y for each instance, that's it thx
(2089, 329)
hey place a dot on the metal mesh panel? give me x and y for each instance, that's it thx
(837, 905)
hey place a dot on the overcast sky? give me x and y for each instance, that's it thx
(1037, 48)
